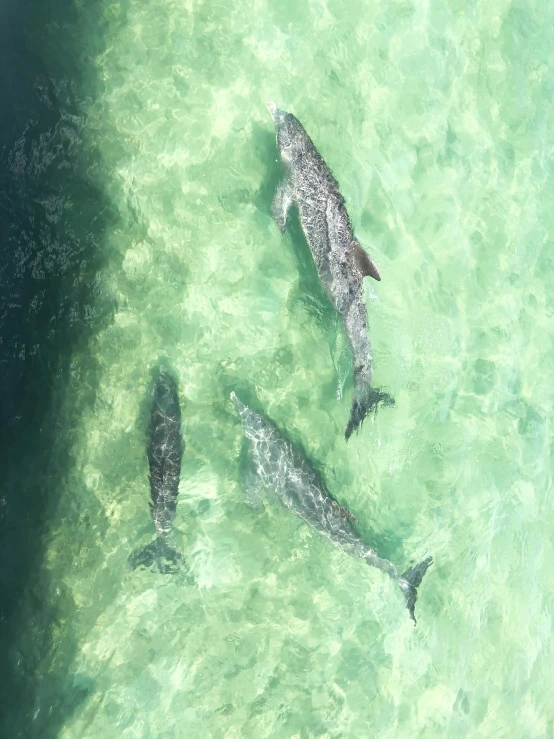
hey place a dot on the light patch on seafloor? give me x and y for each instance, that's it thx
(212, 565)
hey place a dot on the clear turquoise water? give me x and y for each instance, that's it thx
(435, 117)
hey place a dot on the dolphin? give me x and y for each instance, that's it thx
(165, 449)
(282, 469)
(340, 260)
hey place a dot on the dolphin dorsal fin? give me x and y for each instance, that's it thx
(365, 263)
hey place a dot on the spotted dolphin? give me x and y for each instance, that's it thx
(340, 260)
(165, 449)
(276, 466)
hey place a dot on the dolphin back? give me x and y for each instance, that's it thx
(284, 470)
(340, 260)
(165, 451)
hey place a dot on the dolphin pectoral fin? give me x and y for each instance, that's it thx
(342, 361)
(365, 263)
(280, 206)
(409, 582)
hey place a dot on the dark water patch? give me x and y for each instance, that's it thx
(52, 225)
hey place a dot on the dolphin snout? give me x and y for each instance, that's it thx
(274, 111)
(237, 403)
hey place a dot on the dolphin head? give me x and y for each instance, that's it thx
(166, 396)
(165, 384)
(288, 130)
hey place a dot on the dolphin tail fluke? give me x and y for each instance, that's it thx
(165, 558)
(363, 404)
(409, 582)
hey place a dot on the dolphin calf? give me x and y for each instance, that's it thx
(283, 470)
(340, 260)
(165, 449)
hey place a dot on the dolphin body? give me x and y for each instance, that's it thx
(340, 260)
(165, 450)
(284, 470)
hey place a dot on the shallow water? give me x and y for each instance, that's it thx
(434, 118)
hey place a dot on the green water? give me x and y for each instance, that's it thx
(435, 118)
